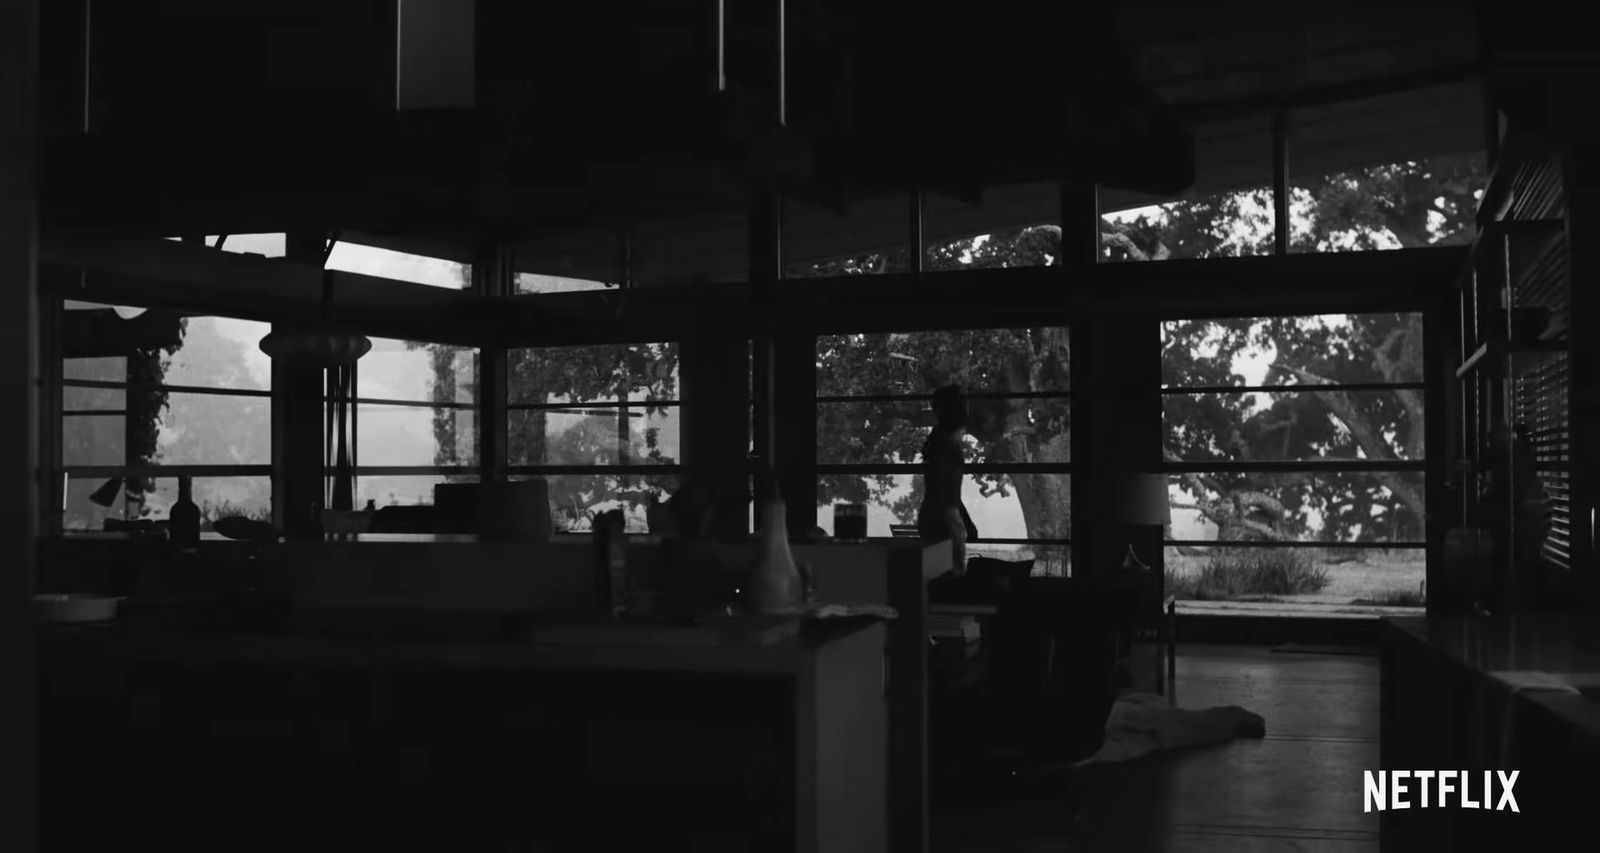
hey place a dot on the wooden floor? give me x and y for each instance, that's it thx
(1299, 789)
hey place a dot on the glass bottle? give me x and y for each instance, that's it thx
(184, 518)
(776, 587)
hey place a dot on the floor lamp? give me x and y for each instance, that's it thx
(1145, 504)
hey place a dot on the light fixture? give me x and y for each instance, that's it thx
(323, 344)
(1144, 502)
(127, 312)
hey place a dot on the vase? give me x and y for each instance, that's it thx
(776, 588)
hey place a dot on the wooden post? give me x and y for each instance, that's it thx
(19, 371)
(298, 456)
(1280, 183)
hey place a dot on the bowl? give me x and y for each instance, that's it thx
(74, 608)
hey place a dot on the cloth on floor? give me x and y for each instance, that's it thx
(1142, 723)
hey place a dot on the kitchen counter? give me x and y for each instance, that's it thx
(338, 741)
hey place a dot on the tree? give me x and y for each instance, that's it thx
(1422, 202)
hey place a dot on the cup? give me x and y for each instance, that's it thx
(850, 521)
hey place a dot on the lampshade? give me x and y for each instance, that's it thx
(326, 347)
(1143, 499)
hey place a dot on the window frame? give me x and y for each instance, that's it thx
(1427, 465)
(624, 467)
(821, 470)
(55, 518)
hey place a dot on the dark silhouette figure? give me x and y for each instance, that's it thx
(942, 515)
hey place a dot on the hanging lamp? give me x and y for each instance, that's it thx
(324, 344)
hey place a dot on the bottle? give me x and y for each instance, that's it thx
(184, 518)
(611, 564)
(776, 587)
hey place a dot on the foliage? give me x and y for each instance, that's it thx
(1234, 573)
(1416, 203)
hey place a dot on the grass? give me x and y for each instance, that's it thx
(1250, 573)
(1376, 577)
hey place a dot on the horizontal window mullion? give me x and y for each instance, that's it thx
(970, 468)
(415, 404)
(968, 395)
(1292, 543)
(94, 413)
(177, 389)
(166, 471)
(584, 470)
(631, 404)
(983, 540)
(1308, 466)
(1279, 389)
(411, 471)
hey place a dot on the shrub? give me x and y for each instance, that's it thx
(1395, 598)
(1234, 573)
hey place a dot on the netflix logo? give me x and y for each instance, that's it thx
(1440, 789)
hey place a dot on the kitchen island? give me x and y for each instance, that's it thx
(528, 735)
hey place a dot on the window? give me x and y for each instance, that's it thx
(1017, 225)
(401, 266)
(149, 395)
(1228, 212)
(1431, 201)
(1394, 171)
(600, 423)
(1295, 452)
(571, 261)
(415, 421)
(873, 394)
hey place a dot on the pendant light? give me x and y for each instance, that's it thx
(325, 344)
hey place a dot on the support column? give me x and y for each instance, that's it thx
(766, 270)
(298, 424)
(494, 274)
(19, 372)
(1127, 433)
(714, 422)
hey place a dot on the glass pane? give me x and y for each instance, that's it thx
(1049, 561)
(415, 436)
(1305, 350)
(561, 263)
(1002, 506)
(268, 245)
(1016, 225)
(217, 497)
(528, 282)
(1354, 577)
(1032, 430)
(74, 399)
(221, 352)
(384, 263)
(593, 374)
(403, 490)
(593, 436)
(1227, 213)
(1007, 361)
(1224, 225)
(214, 429)
(576, 498)
(418, 372)
(1337, 507)
(93, 440)
(1429, 201)
(106, 369)
(1275, 426)
(871, 236)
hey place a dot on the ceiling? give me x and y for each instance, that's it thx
(290, 121)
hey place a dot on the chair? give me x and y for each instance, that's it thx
(1049, 684)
